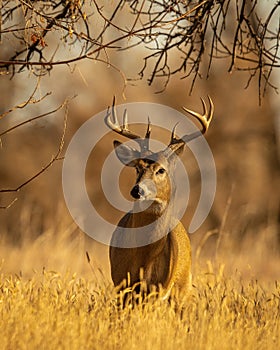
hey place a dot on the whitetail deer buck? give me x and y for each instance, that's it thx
(165, 263)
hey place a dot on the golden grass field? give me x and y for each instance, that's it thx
(54, 311)
(59, 309)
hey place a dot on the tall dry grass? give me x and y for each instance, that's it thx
(63, 311)
(51, 297)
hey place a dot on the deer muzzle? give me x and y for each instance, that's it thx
(144, 190)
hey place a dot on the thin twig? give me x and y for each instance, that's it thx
(34, 118)
(166, 29)
(54, 158)
(30, 100)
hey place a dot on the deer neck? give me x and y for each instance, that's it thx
(155, 224)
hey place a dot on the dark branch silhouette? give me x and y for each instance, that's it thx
(191, 31)
(53, 159)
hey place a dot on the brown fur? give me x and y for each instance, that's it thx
(166, 262)
(165, 258)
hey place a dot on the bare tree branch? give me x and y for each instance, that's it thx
(34, 118)
(53, 159)
(30, 100)
(188, 30)
(9, 205)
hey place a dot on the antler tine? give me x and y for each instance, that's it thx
(114, 113)
(205, 118)
(113, 124)
(173, 138)
(145, 142)
(125, 120)
(149, 129)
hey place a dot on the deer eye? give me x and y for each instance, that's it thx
(160, 171)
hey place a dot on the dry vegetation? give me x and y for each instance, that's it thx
(71, 304)
(54, 311)
(50, 296)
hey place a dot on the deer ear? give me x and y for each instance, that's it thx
(127, 155)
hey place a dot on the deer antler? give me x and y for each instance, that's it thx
(113, 124)
(204, 119)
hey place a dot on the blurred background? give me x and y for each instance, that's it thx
(36, 231)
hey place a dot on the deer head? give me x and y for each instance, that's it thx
(154, 169)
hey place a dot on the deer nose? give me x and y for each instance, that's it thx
(137, 192)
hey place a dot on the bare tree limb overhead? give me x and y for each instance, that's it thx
(176, 36)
